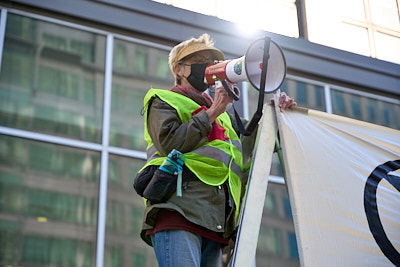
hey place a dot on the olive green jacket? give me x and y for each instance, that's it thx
(200, 203)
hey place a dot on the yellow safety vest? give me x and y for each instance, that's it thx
(212, 162)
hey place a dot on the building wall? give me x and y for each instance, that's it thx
(73, 77)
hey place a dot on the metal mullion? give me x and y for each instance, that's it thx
(276, 179)
(127, 152)
(87, 28)
(55, 21)
(305, 80)
(49, 138)
(344, 89)
(245, 100)
(102, 208)
(3, 21)
(366, 94)
(328, 99)
(142, 42)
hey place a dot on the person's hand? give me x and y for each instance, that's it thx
(284, 102)
(221, 100)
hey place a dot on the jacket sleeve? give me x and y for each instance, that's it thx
(168, 132)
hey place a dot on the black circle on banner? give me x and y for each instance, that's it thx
(371, 207)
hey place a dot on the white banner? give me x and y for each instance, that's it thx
(344, 187)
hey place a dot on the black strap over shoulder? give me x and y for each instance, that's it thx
(257, 115)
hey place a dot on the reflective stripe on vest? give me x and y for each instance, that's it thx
(212, 162)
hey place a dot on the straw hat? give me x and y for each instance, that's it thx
(192, 46)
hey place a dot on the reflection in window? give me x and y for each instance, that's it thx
(270, 241)
(79, 48)
(138, 258)
(163, 71)
(276, 168)
(114, 176)
(274, 228)
(129, 89)
(115, 215)
(120, 57)
(113, 256)
(365, 108)
(126, 120)
(136, 219)
(286, 204)
(125, 209)
(270, 203)
(51, 80)
(141, 61)
(61, 207)
(51, 251)
(306, 94)
(47, 189)
(293, 251)
(10, 236)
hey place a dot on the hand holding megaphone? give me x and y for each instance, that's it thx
(232, 90)
(222, 102)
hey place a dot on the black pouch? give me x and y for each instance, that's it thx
(161, 187)
(143, 178)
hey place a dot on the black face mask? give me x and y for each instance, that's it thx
(196, 77)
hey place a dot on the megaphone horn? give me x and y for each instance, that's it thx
(249, 67)
(230, 70)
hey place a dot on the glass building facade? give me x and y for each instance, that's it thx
(71, 143)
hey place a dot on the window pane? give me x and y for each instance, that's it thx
(270, 15)
(286, 204)
(273, 247)
(385, 13)
(137, 68)
(277, 16)
(125, 210)
(365, 109)
(52, 79)
(253, 95)
(353, 9)
(387, 47)
(293, 250)
(353, 39)
(274, 16)
(334, 32)
(270, 203)
(276, 166)
(328, 12)
(48, 204)
(270, 241)
(305, 94)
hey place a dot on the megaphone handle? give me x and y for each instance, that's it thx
(228, 90)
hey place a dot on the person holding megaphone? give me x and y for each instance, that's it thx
(196, 216)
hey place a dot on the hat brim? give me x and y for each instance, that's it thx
(194, 48)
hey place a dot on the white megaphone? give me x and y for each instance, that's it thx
(250, 67)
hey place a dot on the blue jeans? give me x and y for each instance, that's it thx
(179, 248)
